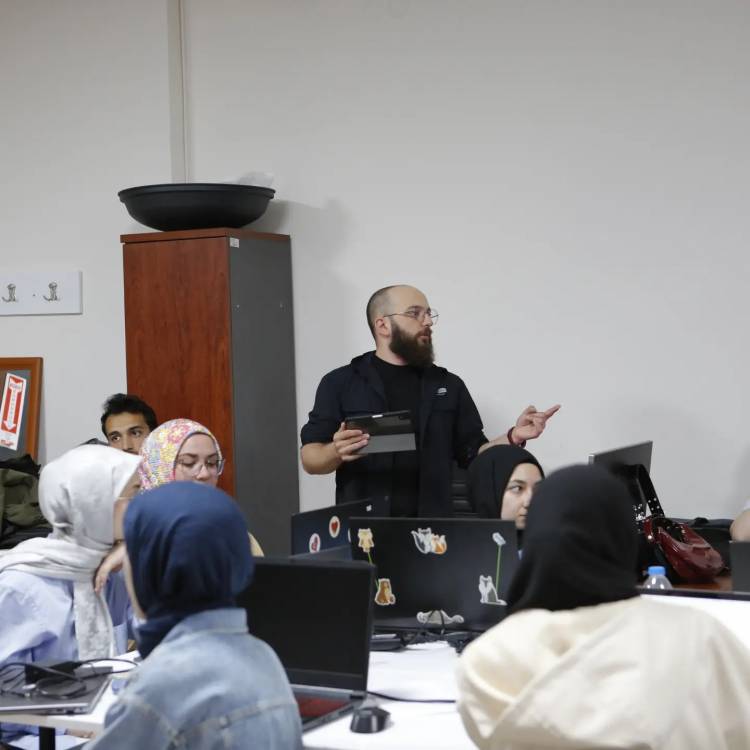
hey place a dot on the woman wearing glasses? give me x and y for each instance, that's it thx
(180, 450)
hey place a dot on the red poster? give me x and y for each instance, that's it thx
(11, 410)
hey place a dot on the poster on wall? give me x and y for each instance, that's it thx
(21, 381)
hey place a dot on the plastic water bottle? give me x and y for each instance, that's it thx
(657, 578)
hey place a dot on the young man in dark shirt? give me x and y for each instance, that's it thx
(401, 375)
(127, 421)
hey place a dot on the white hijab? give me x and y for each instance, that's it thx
(77, 493)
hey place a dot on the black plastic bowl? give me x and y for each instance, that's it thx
(196, 205)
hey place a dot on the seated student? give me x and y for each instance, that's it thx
(127, 421)
(205, 682)
(48, 607)
(582, 661)
(501, 482)
(185, 451)
(178, 450)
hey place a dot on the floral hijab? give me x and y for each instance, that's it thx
(159, 450)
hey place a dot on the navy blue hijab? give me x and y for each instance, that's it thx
(581, 543)
(189, 551)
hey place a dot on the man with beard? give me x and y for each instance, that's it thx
(401, 375)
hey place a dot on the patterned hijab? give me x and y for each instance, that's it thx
(159, 450)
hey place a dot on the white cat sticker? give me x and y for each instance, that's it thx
(488, 592)
(428, 543)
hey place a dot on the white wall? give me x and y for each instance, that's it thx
(85, 113)
(567, 181)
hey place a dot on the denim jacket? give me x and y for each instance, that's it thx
(209, 684)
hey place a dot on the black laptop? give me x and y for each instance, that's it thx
(437, 573)
(317, 617)
(324, 528)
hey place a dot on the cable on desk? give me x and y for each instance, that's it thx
(132, 663)
(411, 700)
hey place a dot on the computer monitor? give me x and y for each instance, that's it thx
(630, 455)
(620, 463)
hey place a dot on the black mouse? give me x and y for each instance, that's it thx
(369, 718)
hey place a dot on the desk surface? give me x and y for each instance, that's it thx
(423, 672)
(92, 722)
(722, 582)
(420, 672)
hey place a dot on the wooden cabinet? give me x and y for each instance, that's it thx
(209, 332)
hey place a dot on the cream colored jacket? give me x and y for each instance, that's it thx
(634, 674)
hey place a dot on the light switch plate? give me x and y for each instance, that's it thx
(40, 293)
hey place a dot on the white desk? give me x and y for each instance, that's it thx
(92, 722)
(424, 672)
(734, 614)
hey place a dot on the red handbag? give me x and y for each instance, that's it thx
(686, 555)
(691, 558)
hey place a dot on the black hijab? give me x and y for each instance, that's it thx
(581, 543)
(489, 475)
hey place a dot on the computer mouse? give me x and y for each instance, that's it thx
(369, 718)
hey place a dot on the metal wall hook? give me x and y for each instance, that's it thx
(11, 294)
(52, 293)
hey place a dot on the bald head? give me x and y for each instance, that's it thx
(392, 299)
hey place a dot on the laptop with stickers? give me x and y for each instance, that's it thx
(437, 573)
(317, 617)
(324, 528)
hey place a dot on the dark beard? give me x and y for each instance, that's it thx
(411, 349)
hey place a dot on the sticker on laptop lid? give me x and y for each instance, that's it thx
(334, 526)
(314, 544)
(385, 596)
(428, 543)
(487, 588)
(439, 617)
(488, 592)
(365, 541)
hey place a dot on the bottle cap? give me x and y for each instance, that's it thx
(656, 570)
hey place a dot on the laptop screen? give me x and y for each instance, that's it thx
(628, 456)
(438, 573)
(316, 616)
(325, 528)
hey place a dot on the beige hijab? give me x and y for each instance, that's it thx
(77, 493)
